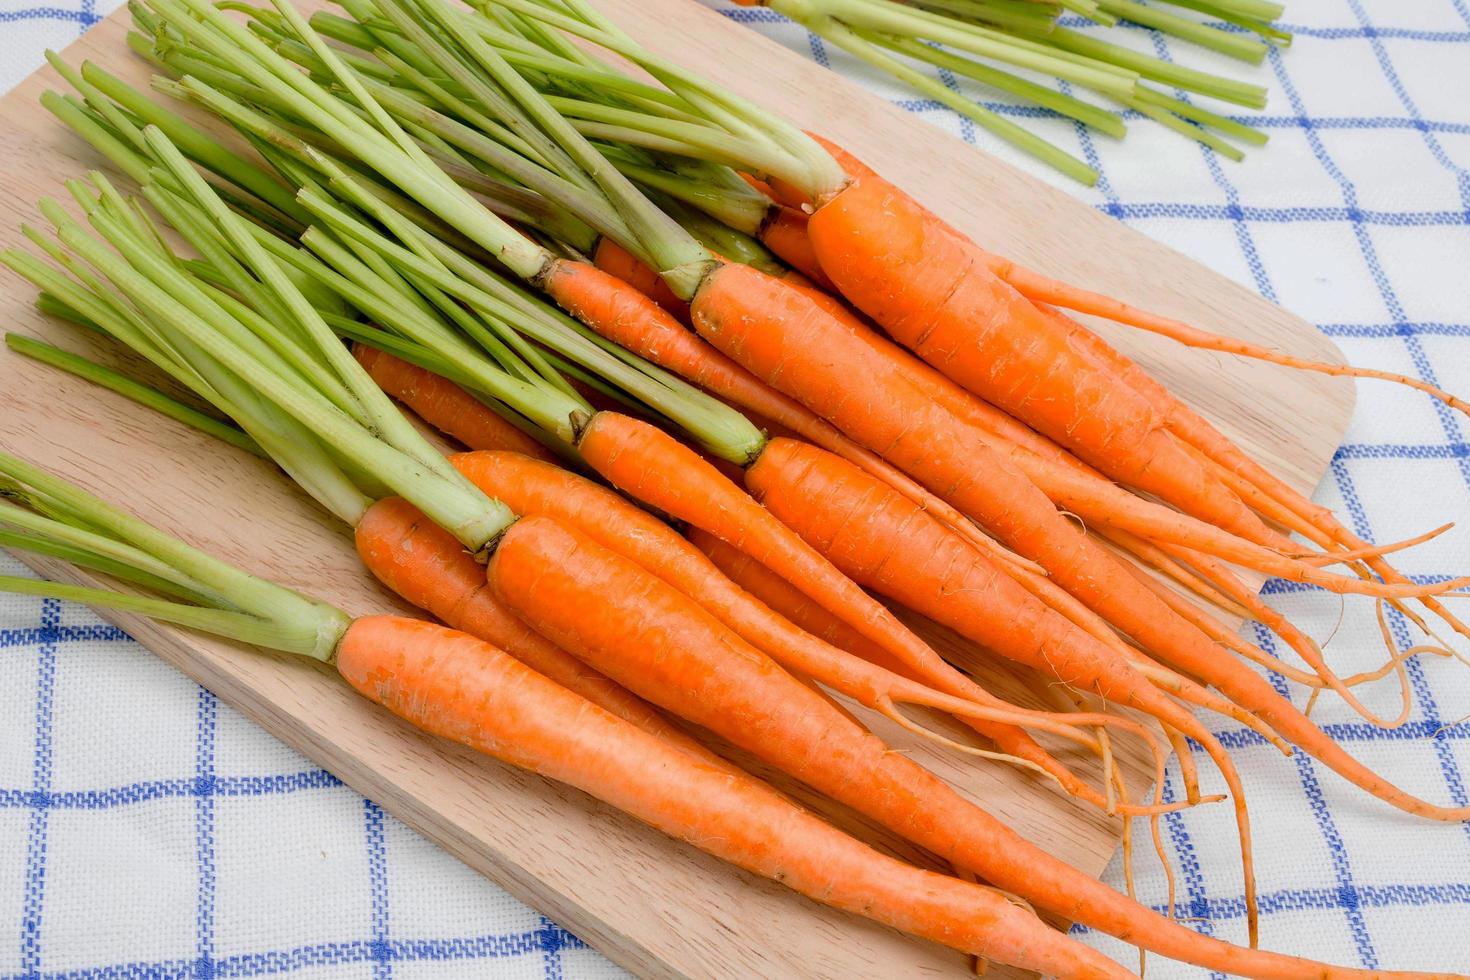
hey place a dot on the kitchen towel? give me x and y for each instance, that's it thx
(147, 830)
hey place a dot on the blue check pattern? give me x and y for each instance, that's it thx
(147, 830)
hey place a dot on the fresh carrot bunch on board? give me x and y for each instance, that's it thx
(460, 195)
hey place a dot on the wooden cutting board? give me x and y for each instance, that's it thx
(657, 907)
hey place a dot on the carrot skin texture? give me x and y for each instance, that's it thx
(946, 306)
(788, 600)
(430, 569)
(463, 689)
(784, 338)
(784, 232)
(533, 488)
(622, 450)
(886, 543)
(667, 648)
(617, 261)
(445, 405)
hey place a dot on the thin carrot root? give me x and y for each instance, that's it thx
(1372, 551)
(1043, 289)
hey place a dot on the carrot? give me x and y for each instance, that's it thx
(1037, 450)
(426, 566)
(784, 232)
(1181, 421)
(900, 552)
(617, 261)
(634, 321)
(929, 291)
(736, 299)
(467, 691)
(665, 646)
(780, 335)
(1043, 289)
(445, 405)
(757, 184)
(624, 452)
(789, 601)
(535, 488)
(1322, 525)
(458, 687)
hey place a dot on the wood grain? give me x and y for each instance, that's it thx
(656, 907)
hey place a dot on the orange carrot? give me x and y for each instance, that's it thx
(1182, 421)
(1322, 525)
(617, 261)
(931, 293)
(445, 405)
(789, 601)
(651, 466)
(531, 487)
(1037, 451)
(425, 565)
(1043, 289)
(900, 552)
(782, 336)
(669, 649)
(467, 691)
(632, 320)
(784, 232)
(751, 316)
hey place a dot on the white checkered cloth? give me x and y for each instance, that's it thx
(146, 830)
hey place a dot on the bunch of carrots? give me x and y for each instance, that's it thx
(642, 304)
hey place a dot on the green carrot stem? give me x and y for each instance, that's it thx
(1199, 135)
(194, 142)
(1265, 10)
(806, 164)
(1048, 98)
(1268, 32)
(1031, 17)
(555, 412)
(454, 505)
(312, 627)
(891, 18)
(721, 239)
(484, 91)
(679, 258)
(308, 639)
(1226, 125)
(706, 137)
(418, 178)
(744, 212)
(720, 428)
(127, 387)
(53, 306)
(1016, 135)
(589, 207)
(1215, 86)
(40, 545)
(63, 533)
(1233, 45)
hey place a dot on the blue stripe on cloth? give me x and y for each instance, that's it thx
(204, 791)
(86, 17)
(372, 816)
(35, 867)
(1306, 767)
(539, 941)
(1347, 893)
